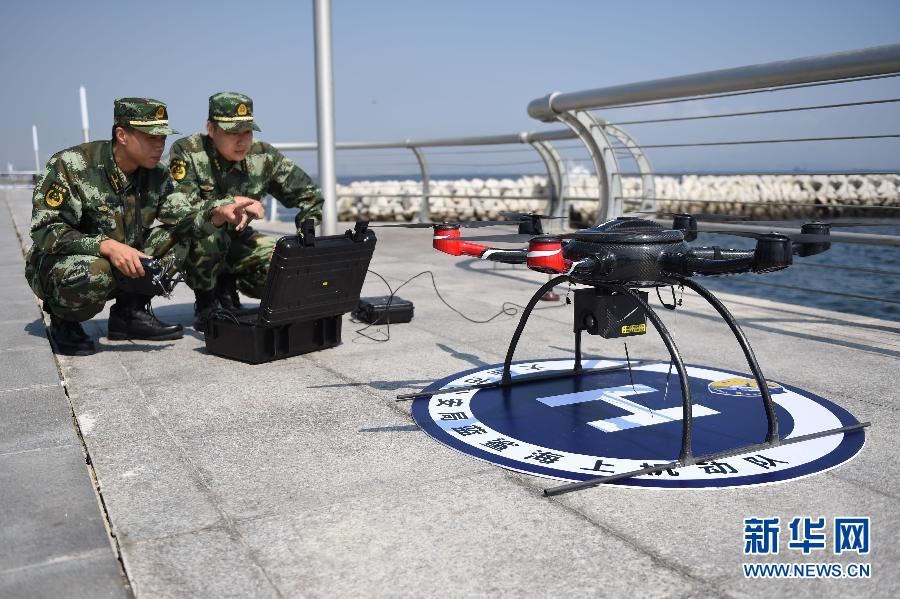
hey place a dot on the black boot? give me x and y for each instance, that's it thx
(206, 303)
(69, 339)
(132, 318)
(226, 292)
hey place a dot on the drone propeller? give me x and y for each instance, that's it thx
(834, 224)
(726, 218)
(796, 237)
(509, 238)
(585, 235)
(704, 216)
(529, 215)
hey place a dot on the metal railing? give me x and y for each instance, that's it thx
(576, 109)
(608, 144)
(540, 142)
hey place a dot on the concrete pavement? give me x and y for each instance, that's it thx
(304, 478)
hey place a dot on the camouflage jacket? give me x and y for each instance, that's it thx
(83, 198)
(201, 173)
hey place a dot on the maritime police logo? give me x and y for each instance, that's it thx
(55, 195)
(178, 169)
(742, 387)
(594, 424)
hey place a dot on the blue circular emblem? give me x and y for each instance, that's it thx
(593, 424)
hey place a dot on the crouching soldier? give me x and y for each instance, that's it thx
(227, 163)
(92, 212)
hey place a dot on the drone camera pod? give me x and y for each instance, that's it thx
(545, 255)
(610, 315)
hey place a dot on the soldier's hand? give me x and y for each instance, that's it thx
(124, 257)
(253, 210)
(232, 213)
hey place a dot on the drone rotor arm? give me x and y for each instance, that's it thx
(506, 256)
(704, 261)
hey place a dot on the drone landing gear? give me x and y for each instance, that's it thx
(506, 379)
(687, 458)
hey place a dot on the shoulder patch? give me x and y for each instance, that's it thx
(178, 169)
(55, 195)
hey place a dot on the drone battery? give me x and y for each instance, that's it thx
(384, 310)
(610, 316)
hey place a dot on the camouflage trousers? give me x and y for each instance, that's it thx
(77, 287)
(246, 254)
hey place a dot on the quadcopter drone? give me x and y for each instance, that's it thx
(614, 260)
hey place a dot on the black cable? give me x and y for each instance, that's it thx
(387, 313)
(675, 302)
(628, 362)
(507, 308)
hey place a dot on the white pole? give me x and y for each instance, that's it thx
(325, 114)
(37, 158)
(84, 114)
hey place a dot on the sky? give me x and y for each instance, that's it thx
(424, 69)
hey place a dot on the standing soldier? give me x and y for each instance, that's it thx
(92, 212)
(228, 163)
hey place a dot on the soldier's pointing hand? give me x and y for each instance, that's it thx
(252, 210)
(232, 213)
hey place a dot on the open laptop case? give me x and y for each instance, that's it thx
(312, 281)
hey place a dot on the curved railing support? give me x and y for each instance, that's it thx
(606, 166)
(556, 176)
(648, 184)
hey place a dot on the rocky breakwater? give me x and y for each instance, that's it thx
(760, 196)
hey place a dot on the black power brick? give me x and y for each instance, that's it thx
(383, 310)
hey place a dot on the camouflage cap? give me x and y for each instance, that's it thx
(232, 111)
(144, 114)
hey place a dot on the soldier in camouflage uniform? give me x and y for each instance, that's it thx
(228, 163)
(92, 212)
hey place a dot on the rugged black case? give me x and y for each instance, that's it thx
(255, 344)
(309, 286)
